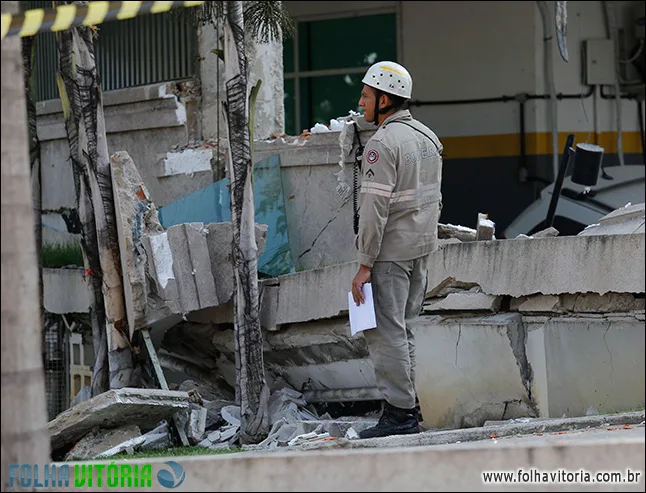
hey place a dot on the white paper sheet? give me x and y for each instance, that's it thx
(362, 317)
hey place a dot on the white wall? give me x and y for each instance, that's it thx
(470, 49)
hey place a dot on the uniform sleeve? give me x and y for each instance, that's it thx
(379, 179)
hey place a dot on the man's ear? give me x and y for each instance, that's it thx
(384, 101)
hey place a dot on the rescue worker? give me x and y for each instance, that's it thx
(399, 210)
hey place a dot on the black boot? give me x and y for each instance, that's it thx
(393, 421)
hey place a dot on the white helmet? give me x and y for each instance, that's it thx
(391, 78)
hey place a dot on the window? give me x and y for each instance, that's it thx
(325, 62)
(132, 52)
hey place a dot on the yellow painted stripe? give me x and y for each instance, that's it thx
(536, 143)
(6, 24)
(65, 15)
(128, 10)
(33, 21)
(193, 4)
(161, 7)
(96, 12)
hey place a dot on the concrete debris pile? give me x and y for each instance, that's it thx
(113, 422)
(168, 272)
(126, 421)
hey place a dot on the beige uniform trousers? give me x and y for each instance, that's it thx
(398, 289)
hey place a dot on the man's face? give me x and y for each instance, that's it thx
(367, 103)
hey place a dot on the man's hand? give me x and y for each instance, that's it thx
(362, 277)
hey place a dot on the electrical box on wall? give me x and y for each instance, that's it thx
(599, 62)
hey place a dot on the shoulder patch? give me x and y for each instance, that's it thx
(372, 156)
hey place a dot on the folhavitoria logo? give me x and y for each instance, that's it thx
(171, 478)
(113, 475)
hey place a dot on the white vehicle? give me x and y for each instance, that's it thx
(578, 208)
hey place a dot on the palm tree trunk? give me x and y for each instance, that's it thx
(81, 96)
(28, 58)
(24, 432)
(251, 385)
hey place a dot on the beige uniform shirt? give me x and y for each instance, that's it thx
(400, 192)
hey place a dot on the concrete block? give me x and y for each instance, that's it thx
(315, 294)
(567, 264)
(470, 369)
(464, 302)
(485, 228)
(141, 407)
(536, 304)
(582, 362)
(202, 275)
(183, 268)
(64, 291)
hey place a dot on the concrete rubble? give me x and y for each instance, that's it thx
(112, 409)
(515, 329)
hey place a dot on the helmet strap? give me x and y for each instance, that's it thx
(380, 111)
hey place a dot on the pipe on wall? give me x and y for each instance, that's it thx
(548, 59)
(611, 24)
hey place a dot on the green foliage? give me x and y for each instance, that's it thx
(265, 20)
(57, 255)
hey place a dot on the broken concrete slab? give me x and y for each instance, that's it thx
(183, 269)
(464, 302)
(485, 377)
(231, 414)
(578, 303)
(64, 291)
(626, 213)
(546, 233)
(537, 303)
(196, 424)
(135, 215)
(579, 362)
(141, 407)
(202, 264)
(565, 264)
(596, 303)
(101, 443)
(314, 294)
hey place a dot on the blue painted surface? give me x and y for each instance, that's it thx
(212, 205)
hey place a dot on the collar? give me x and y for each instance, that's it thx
(398, 115)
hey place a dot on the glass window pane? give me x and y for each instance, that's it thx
(290, 106)
(349, 42)
(324, 98)
(288, 55)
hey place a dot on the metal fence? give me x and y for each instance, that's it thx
(131, 52)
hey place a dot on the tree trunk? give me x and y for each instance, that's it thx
(85, 125)
(24, 419)
(28, 58)
(250, 375)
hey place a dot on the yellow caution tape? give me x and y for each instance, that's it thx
(65, 16)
